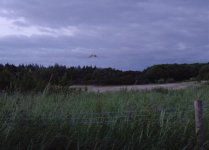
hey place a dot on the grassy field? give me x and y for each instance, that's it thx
(153, 120)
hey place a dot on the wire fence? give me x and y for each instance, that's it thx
(177, 117)
(174, 115)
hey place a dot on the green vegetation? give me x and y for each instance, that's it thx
(204, 72)
(35, 78)
(152, 120)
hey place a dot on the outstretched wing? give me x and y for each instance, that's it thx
(93, 56)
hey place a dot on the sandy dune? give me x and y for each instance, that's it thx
(170, 86)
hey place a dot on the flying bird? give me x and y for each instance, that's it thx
(93, 56)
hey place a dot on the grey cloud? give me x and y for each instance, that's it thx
(124, 34)
(63, 12)
(21, 24)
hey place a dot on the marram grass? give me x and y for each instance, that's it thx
(152, 120)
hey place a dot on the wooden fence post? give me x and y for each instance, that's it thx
(198, 106)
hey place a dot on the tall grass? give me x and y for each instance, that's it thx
(159, 119)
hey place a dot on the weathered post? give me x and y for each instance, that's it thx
(199, 123)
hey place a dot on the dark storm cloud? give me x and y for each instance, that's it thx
(65, 12)
(126, 34)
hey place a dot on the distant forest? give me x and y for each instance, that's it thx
(35, 77)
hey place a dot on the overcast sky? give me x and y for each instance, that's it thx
(124, 34)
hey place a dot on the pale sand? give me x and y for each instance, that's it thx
(170, 86)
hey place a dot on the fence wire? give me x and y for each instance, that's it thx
(152, 116)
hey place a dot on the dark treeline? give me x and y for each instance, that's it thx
(35, 77)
